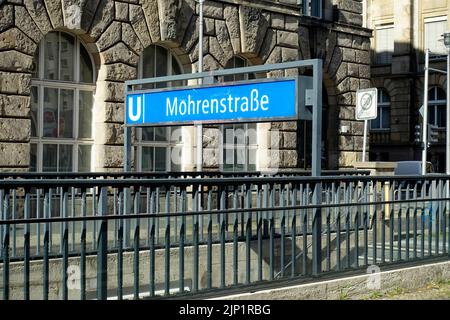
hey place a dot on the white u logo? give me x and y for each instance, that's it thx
(134, 117)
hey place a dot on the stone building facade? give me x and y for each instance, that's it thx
(116, 34)
(402, 30)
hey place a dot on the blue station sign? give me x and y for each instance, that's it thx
(255, 101)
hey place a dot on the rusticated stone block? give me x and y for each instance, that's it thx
(14, 106)
(253, 25)
(38, 12)
(110, 91)
(289, 158)
(114, 112)
(111, 36)
(131, 39)
(25, 23)
(14, 154)
(151, 14)
(122, 13)
(111, 133)
(54, 10)
(347, 158)
(224, 39)
(15, 129)
(112, 156)
(16, 83)
(6, 17)
(120, 53)
(103, 17)
(287, 39)
(231, 15)
(16, 39)
(289, 140)
(137, 20)
(15, 61)
(289, 54)
(213, 9)
(117, 72)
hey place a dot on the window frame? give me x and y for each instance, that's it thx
(381, 106)
(138, 143)
(377, 55)
(76, 86)
(433, 56)
(433, 106)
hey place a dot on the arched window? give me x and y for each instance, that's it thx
(436, 107)
(239, 141)
(383, 120)
(154, 145)
(62, 90)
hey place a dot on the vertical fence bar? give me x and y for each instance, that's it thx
(26, 247)
(338, 228)
(61, 224)
(407, 221)
(356, 227)
(222, 236)
(5, 243)
(46, 248)
(209, 240)
(317, 229)
(235, 236)
(83, 246)
(382, 224)
(430, 218)
(38, 225)
(282, 230)
(367, 188)
(136, 242)
(259, 226)
(415, 222)
(94, 213)
(391, 222)
(348, 190)
(65, 242)
(271, 188)
(195, 233)
(14, 227)
(399, 224)
(72, 211)
(50, 210)
(120, 246)
(102, 246)
(328, 199)
(305, 231)
(422, 221)
(444, 218)
(293, 232)
(437, 214)
(248, 237)
(182, 239)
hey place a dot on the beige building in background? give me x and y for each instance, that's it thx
(402, 30)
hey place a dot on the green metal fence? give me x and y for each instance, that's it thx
(128, 237)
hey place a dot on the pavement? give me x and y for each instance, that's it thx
(436, 290)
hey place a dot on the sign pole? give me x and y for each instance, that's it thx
(366, 124)
(425, 115)
(200, 69)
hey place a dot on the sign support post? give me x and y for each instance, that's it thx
(425, 114)
(366, 123)
(366, 109)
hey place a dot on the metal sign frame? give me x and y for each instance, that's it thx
(313, 98)
(298, 82)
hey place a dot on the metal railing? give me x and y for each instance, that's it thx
(147, 237)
